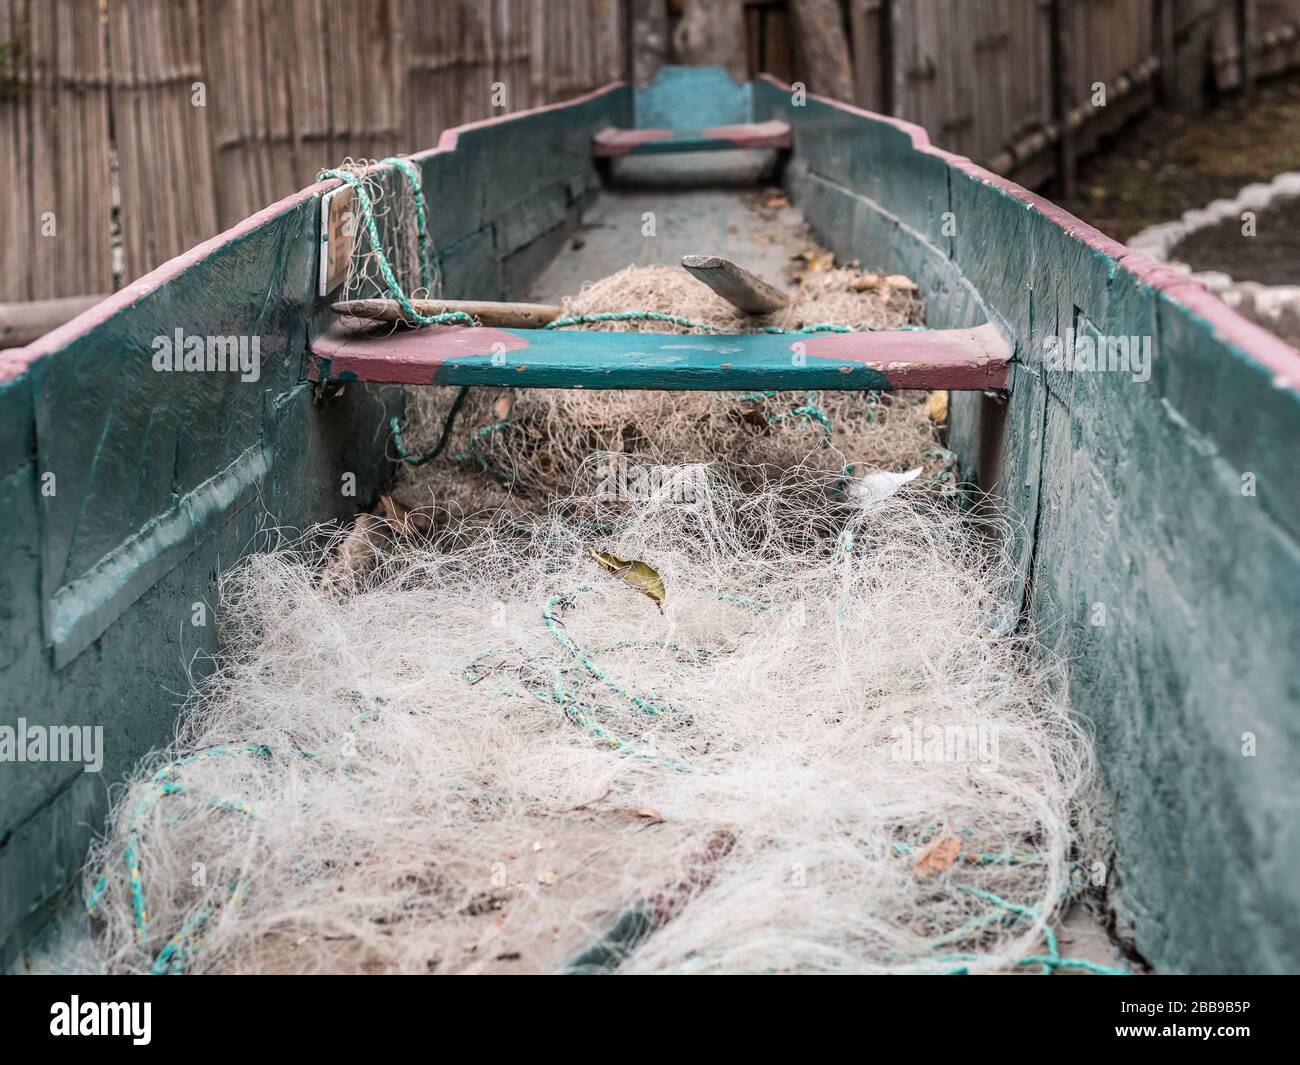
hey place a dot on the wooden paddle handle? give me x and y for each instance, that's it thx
(502, 315)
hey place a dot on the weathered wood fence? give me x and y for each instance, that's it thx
(133, 129)
(201, 112)
(1026, 86)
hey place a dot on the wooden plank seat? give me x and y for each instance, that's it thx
(968, 359)
(614, 141)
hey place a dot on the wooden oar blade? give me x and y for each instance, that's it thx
(735, 284)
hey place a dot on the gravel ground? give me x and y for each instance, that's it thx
(1168, 163)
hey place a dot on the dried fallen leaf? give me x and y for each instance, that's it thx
(650, 814)
(936, 407)
(865, 282)
(504, 404)
(358, 552)
(778, 200)
(405, 520)
(901, 283)
(938, 854)
(645, 579)
(819, 264)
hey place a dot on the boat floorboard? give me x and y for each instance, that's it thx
(648, 225)
(613, 141)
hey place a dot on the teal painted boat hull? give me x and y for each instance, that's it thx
(1158, 525)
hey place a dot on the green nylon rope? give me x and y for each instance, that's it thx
(395, 429)
(385, 267)
(416, 184)
(163, 784)
(1052, 960)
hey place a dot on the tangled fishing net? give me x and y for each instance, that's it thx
(517, 447)
(389, 204)
(707, 730)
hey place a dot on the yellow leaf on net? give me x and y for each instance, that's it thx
(644, 578)
(936, 406)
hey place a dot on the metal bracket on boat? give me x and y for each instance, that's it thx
(337, 239)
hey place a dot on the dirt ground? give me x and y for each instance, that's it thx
(1270, 256)
(1168, 163)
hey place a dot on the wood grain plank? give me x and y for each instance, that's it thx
(962, 359)
(615, 142)
(735, 284)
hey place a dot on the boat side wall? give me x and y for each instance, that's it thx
(1157, 521)
(128, 491)
(505, 193)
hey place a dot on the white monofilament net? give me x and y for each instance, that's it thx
(493, 753)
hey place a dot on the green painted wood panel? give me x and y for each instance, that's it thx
(165, 479)
(1170, 592)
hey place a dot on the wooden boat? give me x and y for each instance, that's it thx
(1159, 525)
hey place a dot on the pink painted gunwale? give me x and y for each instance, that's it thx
(1271, 352)
(448, 138)
(16, 361)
